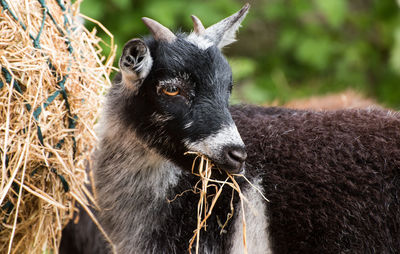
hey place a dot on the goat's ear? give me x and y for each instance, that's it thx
(135, 63)
(224, 32)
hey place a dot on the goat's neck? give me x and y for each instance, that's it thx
(127, 160)
(132, 181)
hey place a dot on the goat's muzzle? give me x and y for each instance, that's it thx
(233, 159)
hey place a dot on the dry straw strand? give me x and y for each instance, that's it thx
(204, 210)
(52, 81)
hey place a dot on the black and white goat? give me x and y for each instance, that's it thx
(332, 178)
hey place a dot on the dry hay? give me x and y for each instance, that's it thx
(204, 208)
(52, 76)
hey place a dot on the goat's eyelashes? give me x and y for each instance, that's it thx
(171, 90)
(171, 87)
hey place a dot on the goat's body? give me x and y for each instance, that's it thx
(332, 178)
(134, 185)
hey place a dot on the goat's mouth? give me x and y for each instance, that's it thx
(232, 169)
(230, 159)
(225, 148)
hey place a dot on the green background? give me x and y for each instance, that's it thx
(287, 48)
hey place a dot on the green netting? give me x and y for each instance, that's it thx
(72, 119)
(51, 72)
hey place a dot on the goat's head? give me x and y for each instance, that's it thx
(175, 92)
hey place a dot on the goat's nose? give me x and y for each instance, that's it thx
(237, 154)
(234, 158)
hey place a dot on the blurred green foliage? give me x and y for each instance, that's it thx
(287, 48)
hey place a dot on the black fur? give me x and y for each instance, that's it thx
(332, 178)
(83, 237)
(210, 82)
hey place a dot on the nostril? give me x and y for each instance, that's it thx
(232, 159)
(237, 154)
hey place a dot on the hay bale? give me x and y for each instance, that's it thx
(52, 77)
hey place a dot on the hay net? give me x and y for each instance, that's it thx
(52, 76)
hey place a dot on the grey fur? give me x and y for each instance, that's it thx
(257, 237)
(212, 145)
(128, 174)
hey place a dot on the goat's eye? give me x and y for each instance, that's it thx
(171, 90)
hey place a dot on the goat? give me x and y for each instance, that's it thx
(332, 177)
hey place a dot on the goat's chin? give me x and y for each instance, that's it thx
(231, 169)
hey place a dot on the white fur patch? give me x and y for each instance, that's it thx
(200, 41)
(212, 145)
(188, 125)
(257, 236)
(145, 65)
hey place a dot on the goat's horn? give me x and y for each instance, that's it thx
(198, 26)
(160, 32)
